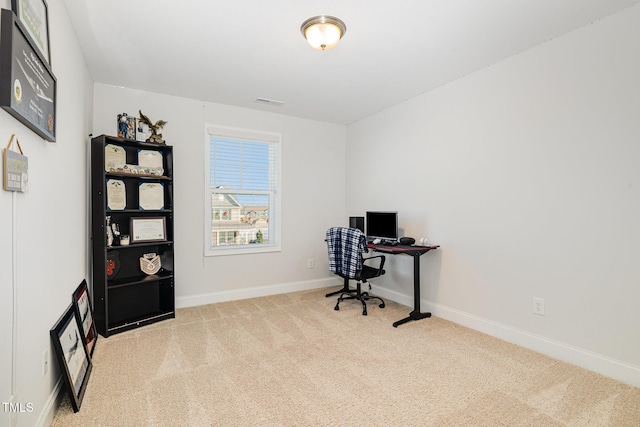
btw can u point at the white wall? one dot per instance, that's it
(313, 194)
(527, 174)
(50, 226)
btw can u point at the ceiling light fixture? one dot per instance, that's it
(323, 32)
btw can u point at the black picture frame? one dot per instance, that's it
(27, 85)
(81, 299)
(34, 17)
(71, 352)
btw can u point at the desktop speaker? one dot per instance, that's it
(356, 222)
(407, 240)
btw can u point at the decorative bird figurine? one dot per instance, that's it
(155, 136)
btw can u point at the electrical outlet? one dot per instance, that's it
(538, 306)
(311, 263)
(45, 362)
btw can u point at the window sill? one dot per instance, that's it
(242, 249)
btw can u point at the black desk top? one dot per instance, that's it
(402, 249)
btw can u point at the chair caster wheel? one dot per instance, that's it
(364, 313)
(336, 308)
(381, 305)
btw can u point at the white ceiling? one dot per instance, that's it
(235, 51)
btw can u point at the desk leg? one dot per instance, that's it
(415, 314)
(345, 288)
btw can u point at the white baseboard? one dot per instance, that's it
(51, 405)
(591, 361)
(210, 298)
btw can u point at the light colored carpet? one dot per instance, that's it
(291, 360)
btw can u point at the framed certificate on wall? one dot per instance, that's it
(27, 85)
(34, 17)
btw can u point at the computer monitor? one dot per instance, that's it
(382, 225)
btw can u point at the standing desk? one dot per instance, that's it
(416, 252)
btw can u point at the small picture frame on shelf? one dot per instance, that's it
(126, 126)
(72, 355)
(84, 310)
(148, 229)
(142, 131)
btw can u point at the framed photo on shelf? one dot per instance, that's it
(72, 355)
(34, 17)
(126, 126)
(151, 229)
(84, 311)
(27, 85)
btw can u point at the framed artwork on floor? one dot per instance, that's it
(72, 355)
(84, 310)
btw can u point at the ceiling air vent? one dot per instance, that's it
(272, 102)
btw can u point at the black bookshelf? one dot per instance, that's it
(125, 297)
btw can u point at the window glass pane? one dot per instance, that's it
(245, 223)
(243, 192)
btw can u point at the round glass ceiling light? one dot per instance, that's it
(323, 32)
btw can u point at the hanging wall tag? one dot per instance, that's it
(16, 175)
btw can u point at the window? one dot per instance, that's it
(242, 196)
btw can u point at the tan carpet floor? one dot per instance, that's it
(291, 360)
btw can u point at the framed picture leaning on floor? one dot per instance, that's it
(72, 355)
(84, 311)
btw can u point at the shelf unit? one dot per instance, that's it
(124, 297)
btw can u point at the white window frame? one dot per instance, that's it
(274, 217)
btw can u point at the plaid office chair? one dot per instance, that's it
(346, 246)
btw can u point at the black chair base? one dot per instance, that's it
(345, 289)
(363, 297)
